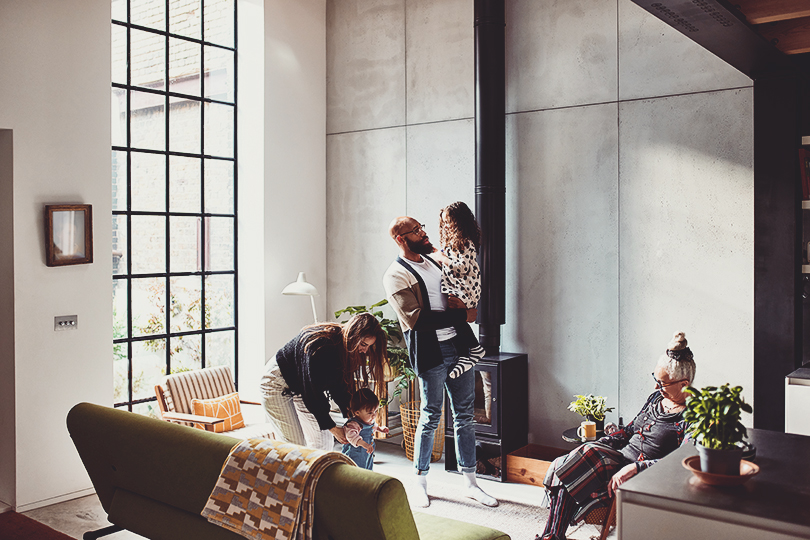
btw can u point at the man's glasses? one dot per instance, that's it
(419, 228)
(660, 384)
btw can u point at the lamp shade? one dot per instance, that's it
(300, 287)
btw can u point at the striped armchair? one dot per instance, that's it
(176, 392)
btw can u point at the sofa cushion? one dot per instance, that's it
(225, 407)
(440, 528)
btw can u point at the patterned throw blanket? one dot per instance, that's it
(266, 489)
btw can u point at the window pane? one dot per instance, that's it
(119, 244)
(147, 57)
(150, 409)
(184, 237)
(147, 120)
(220, 349)
(119, 54)
(219, 74)
(148, 311)
(219, 186)
(186, 353)
(219, 301)
(148, 367)
(219, 21)
(118, 117)
(120, 373)
(148, 182)
(119, 180)
(184, 184)
(220, 240)
(148, 244)
(184, 126)
(151, 13)
(185, 66)
(218, 130)
(186, 298)
(120, 313)
(184, 18)
(119, 10)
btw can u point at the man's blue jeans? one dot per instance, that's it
(461, 393)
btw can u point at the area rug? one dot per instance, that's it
(516, 518)
(519, 519)
(14, 526)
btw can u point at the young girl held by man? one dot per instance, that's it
(459, 238)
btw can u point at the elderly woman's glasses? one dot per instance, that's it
(661, 384)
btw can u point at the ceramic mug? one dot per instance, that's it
(587, 431)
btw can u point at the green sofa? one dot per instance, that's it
(153, 478)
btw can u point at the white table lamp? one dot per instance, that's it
(301, 287)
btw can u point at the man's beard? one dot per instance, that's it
(418, 247)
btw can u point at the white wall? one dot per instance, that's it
(295, 164)
(54, 101)
(629, 184)
(54, 97)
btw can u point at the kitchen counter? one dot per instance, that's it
(667, 501)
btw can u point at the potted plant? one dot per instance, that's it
(591, 407)
(714, 417)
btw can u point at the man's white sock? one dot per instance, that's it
(476, 493)
(420, 496)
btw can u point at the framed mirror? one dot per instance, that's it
(68, 234)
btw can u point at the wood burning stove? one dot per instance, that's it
(501, 414)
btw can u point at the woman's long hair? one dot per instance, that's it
(463, 228)
(358, 327)
(349, 335)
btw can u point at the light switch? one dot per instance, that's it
(66, 322)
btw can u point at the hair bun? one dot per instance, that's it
(678, 342)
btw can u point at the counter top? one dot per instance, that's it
(801, 373)
(779, 494)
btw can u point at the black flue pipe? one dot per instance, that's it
(490, 167)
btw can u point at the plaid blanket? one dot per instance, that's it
(266, 489)
(585, 473)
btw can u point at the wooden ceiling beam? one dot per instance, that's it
(765, 11)
(790, 37)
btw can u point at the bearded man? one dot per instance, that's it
(430, 325)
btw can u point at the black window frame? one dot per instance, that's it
(203, 216)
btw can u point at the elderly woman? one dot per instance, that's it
(588, 476)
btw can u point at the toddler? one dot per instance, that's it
(360, 429)
(460, 237)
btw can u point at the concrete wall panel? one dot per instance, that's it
(657, 60)
(687, 237)
(365, 75)
(366, 191)
(440, 86)
(562, 259)
(560, 54)
(441, 170)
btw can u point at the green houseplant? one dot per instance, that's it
(397, 354)
(591, 407)
(713, 415)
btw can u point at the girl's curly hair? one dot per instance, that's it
(463, 227)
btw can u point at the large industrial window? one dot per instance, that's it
(173, 192)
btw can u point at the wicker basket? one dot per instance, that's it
(410, 411)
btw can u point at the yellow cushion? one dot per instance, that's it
(225, 407)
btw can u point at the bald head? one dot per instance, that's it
(399, 225)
